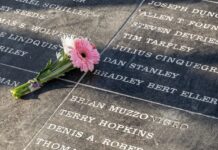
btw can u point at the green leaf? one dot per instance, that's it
(46, 69)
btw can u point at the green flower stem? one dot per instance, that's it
(56, 73)
(21, 90)
(53, 71)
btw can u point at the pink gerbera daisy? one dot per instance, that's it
(84, 54)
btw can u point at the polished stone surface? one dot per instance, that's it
(133, 100)
(30, 35)
(21, 120)
(33, 30)
(162, 55)
(113, 119)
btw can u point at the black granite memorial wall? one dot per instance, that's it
(154, 89)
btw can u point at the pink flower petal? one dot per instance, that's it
(84, 55)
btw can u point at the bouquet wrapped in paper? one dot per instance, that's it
(76, 53)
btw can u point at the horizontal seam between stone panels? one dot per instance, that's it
(33, 72)
(210, 1)
(18, 68)
(149, 101)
